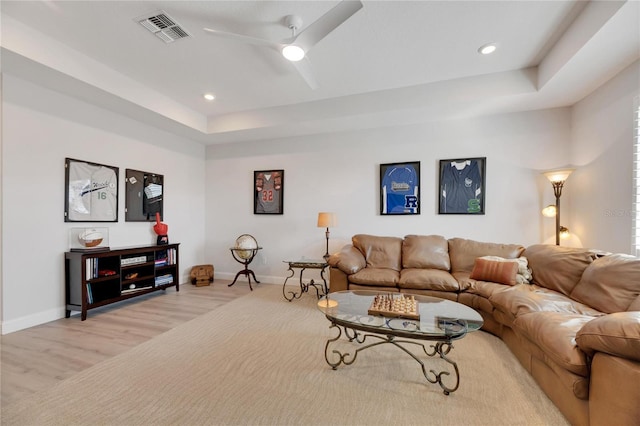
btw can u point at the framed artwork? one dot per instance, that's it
(91, 192)
(144, 196)
(268, 191)
(400, 188)
(461, 189)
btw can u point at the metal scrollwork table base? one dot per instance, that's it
(321, 288)
(441, 348)
(440, 322)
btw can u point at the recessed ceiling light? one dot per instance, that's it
(293, 53)
(487, 48)
(209, 96)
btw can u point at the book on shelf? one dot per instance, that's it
(133, 290)
(164, 279)
(127, 261)
(89, 294)
(166, 257)
(91, 268)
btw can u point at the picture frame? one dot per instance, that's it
(461, 186)
(400, 188)
(144, 196)
(268, 192)
(91, 192)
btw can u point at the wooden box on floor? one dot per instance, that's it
(201, 275)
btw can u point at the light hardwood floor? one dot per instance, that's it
(39, 357)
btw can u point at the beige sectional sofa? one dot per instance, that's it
(575, 326)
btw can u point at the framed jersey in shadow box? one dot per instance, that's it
(268, 191)
(91, 192)
(400, 188)
(144, 196)
(462, 189)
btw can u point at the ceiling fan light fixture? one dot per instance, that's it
(293, 53)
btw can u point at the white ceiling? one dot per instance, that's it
(392, 62)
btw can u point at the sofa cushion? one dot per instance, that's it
(554, 333)
(425, 251)
(349, 260)
(610, 283)
(463, 253)
(479, 303)
(557, 268)
(380, 252)
(617, 334)
(482, 288)
(524, 299)
(427, 279)
(381, 277)
(498, 270)
(635, 305)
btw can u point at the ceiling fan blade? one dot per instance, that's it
(304, 69)
(244, 38)
(328, 22)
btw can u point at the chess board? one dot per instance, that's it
(400, 306)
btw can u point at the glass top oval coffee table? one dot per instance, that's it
(364, 315)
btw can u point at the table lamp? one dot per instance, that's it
(327, 220)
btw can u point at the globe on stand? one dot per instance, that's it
(247, 244)
(244, 251)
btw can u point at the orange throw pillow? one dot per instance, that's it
(497, 271)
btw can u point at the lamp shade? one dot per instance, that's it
(558, 175)
(550, 211)
(327, 220)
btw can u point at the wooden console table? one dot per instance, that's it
(96, 277)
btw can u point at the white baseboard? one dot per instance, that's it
(32, 320)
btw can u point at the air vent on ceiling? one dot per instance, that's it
(163, 26)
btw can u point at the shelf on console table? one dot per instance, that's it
(99, 277)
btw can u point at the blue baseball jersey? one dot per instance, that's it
(400, 190)
(461, 187)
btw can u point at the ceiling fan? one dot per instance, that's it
(295, 48)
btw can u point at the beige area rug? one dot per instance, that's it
(260, 360)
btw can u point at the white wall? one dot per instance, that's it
(340, 173)
(40, 129)
(209, 203)
(602, 145)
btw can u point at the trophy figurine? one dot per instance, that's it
(161, 229)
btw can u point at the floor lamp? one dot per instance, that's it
(327, 220)
(557, 179)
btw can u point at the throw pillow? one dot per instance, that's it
(502, 271)
(524, 273)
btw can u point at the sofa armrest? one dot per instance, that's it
(614, 390)
(338, 280)
(617, 334)
(349, 260)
